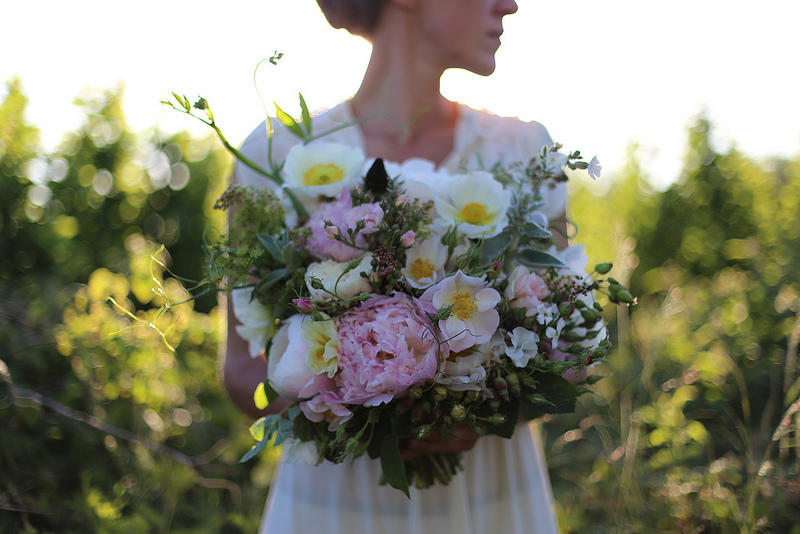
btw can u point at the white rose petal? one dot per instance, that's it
(258, 322)
(346, 286)
(287, 365)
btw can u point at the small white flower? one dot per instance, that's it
(594, 168)
(524, 346)
(258, 321)
(300, 452)
(477, 203)
(346, 285)
(322, 168)
(553, 161)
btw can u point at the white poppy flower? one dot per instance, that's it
(477, 202)
(425, 263)
(257, 321)
(322, 168)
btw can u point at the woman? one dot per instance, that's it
(504, 486)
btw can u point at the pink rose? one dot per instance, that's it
(526, 289)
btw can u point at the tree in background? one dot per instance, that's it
(695, 429)
(104, 428)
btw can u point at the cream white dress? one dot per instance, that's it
(504, 487)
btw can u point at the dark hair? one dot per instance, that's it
(359, 17)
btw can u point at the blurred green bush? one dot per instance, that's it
(103, 428)
(695, 428)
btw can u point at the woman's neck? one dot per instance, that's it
(399, 101)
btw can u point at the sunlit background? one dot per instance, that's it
(103, 428)
(599, 75)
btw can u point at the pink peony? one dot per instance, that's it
(343, 216)
(386, 345)
(526, 290)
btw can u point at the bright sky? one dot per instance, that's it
(599, 74)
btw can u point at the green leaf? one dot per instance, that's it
(553, 394)
(284, 432)
(287, 254)
(258, 447)
(272, 395)
(289, 122)
(305, 114)
(537, 259)
(257, 429)
(494, 246)
(534, 231)
(270, 279)
(272, 245)
(260, 398)
(392, 464)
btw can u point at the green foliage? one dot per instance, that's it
(693, 430)
(103, 428)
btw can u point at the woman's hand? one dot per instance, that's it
(463, 439)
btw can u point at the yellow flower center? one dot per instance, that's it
(464, 305)
(323, 173)
(422, 268)
(475, 213)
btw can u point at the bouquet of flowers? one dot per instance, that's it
(398, 302)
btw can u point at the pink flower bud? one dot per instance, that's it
(304, 305)
(408, 238)
(400, 200)
(332, 231)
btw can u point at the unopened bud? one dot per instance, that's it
(422, 432)
(304, 305)
(408, 238)
(400, 200)
(458, 412)
(415, 393)
(624, 295)
(513, 384)
(439, 392)
(472, 396)
(589, 315)
(496, 419)
(332, 231)
(603, 268)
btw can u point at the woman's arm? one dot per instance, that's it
(242, 374)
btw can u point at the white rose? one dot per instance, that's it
(346, 285)
(258, 322)
(288, 369)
